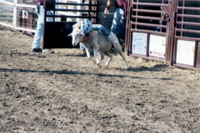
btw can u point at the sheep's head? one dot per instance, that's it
(76, 34)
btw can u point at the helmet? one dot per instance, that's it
(86, 26)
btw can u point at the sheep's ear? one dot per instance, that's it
(76, 25)
(70, 34)
(82, 34)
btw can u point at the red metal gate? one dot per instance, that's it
(187, 34)
(150, 29)
(165, 30)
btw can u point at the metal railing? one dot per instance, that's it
(18, 14)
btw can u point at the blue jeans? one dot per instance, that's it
(104, 30)
(98, 27)
(40, 28)
(117, 27)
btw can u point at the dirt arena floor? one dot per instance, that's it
(65, 93)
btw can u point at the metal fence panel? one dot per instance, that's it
(6, 12)
(187, 34)
(18, 14)
(26, 18)
(148, 24)
(174, 27)
(63, 16)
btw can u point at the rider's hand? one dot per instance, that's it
(122, 19)
(106, 12)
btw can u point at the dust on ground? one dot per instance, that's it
(65, 92)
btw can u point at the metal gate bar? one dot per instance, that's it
(146, 14)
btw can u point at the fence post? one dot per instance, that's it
(15, 14)
(171, 32)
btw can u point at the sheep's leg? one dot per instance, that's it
(96, 55)
(119, 51)
(89, 56)
(100, 55)
(118, 47)
(88, 53)
(109, 58)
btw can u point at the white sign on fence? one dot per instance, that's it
(185, 52)
(157, 46)
(139, 43)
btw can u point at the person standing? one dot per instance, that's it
(40, 26)
(119, 19)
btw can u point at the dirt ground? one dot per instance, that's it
(66, 93)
